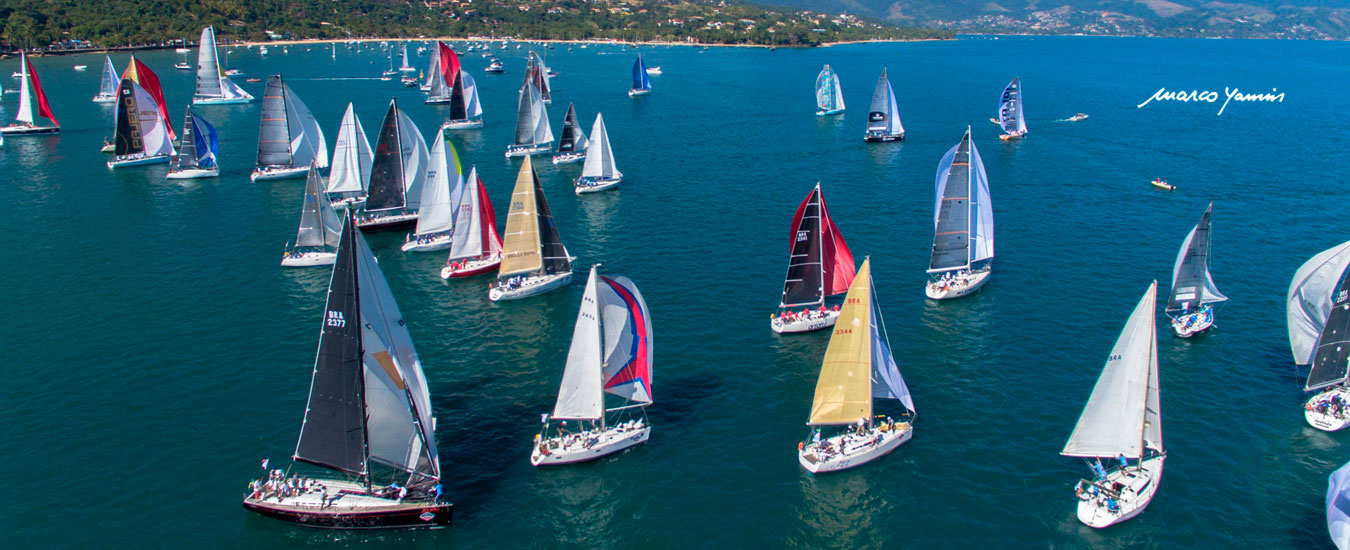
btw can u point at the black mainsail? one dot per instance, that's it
(1331, 362)
(458, 103)
(951, 239)
(333, 434)
(128, 121)
(187, 146)
(805, 278)
(524, 116)
(568, 143)
(551, 247)
(386, 191)
(274, 134)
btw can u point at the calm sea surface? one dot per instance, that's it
(155, 352)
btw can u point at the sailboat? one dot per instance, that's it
(30, 91)
(573, 143)
(599, 172)
(536, 73)
(475, 247)
(883, 120)
(846, 432)
(368, 420)
(444, 72)
(440, 199)
(1338, 507)
(405, 67)
(289, 138)
(963, 225)
(1318, 311)
(389, 74)
(350, 176)
(456, 87)
(819, 265)
(213, 87)
(141, 135)
(642, 85)
(196, 157)
(534, 259)
(397, 174)
(1120, 431)
(107, 85)
(829, 96)
(533, 134)
(317, 240)
(1010, 112)
(611, 353)
(434, 72)
(1191, 305)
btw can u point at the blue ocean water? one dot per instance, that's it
(156, 352)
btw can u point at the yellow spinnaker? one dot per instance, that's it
(844, 390)
(521, 242)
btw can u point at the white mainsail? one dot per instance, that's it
(1122, 416)
(1309, 300)
(25, 92)
(319, 223)
(307, 142)
(441, 194)
(352, 157)
(542, 132)
(211, 80)
(415, 159)
(154, 132)
(1010, 108)
(472, 107)
(107, 86)
(467, 240)
(599, 155)
(581, 396)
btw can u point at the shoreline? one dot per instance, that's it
(601, 42)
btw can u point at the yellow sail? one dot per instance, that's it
(844, 390)
(521, 242)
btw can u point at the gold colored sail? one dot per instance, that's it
(844, 390)
(521, 246)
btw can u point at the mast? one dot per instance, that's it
(187, 145)
(274, 138)
(951, 215)
(208, 67)
(386, 191)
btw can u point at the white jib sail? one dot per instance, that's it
(543, 133)
(25, 92)
(352, 157)
(437, 210)
(983, 214)
(580, 396)
(154, 132)
(472, 107)
(415, 159)
(599, 155)
(307, 142)
(467, 240)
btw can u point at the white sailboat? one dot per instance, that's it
(573, 142)
(1010, 112)
(30, 92)
(883, 119)
(829, 95)
(475, 247)
(352, 159)
(611, 353)
(533, 134)
(107, 84)
(857, 370)
(397, 175)
(1120, 430)
(317, 240)
(1191, 305)
(405, 67)
(141, 135)
(440, 199)
(1318, 311)
(820, 264)
(213, 87)
(289, 138)
(599, 172)
(963, 225)
(534, 259)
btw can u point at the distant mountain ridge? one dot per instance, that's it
(1309, 19)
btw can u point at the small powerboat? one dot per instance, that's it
(1161, 184)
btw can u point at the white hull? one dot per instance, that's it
(528, 150)
(587, 445)
(857, 450)
(635, 93)
(831, 112)
(1190, 325)
(1012, 135)
(156, 159)
(22, 129)
(960, 286)
(390, 221)
(1319, 412)
(193, 173)
(221, 100)
(1137, 488)
(531, 287)
(462, 124)
(596, 186)
(568, 158)
(279, 173)
(440, 242)
(105, 98)
(309, 259)
(814, 321)
(349, 202)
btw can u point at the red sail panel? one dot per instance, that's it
(491, 241)
(148, 80)
(449, 64)
(44, 109)
(836, 257)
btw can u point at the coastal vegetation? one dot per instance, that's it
(113, 23)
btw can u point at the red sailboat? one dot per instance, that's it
(475, 247)
(147, 79)
(30, 92)
(819, 265)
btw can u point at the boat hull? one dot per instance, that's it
(221, 100)
(804, 324)
(883, 138)
(279, 174)
(476, 266)
(635, 93)
(568, 158)
(857, 453)
(462, 125)
(1321, 415)
(527, 150)
(105, 98)
(156, 159)
(957, 290)
(531, 287)
(193, 173)
(29, 130)
(1013, 135)
(1190, 325)
(442, 242)
(553, 451)
(1138, 488)
(596, 185)
(1163, 185)
(393, 515)
(309, 259)
(831, 112)
(387, 223)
